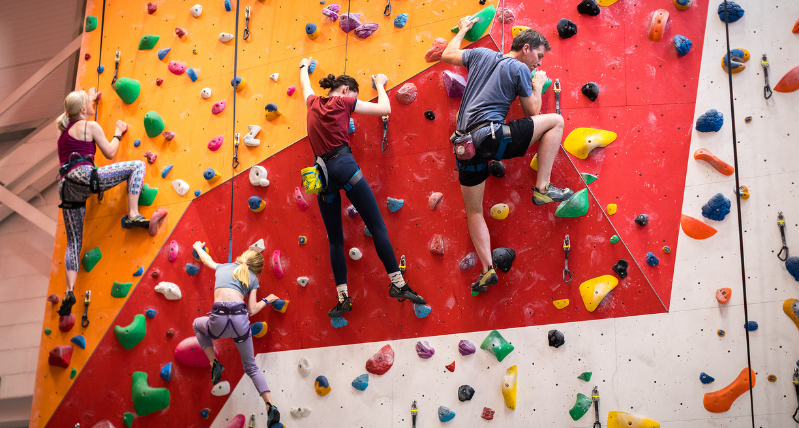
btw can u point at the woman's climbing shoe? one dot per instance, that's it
(66, 304)
(552, 194)
(341, 308)
(138, 221)
(405, 293)
(272, 416)
(485, 280)
(216, 372)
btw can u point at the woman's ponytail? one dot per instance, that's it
(62, 122)
(73, 103)
(251, 261)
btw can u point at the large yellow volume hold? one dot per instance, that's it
(581, 141)
(509, 387)
(595, 289)
(627, 420)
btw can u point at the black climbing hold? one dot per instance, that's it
(496, 168)
(503, 258)
(465, 393)
(621, 268)
(566, 28)
(588, 7)
(591, 90)
(642, 220)
(556, 338)
(429, 114)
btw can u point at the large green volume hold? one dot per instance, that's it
(130, 335)
(148, 42)
(90, 258)
(128, 89)
(576, 206)
(484, 18)
(91, 24)
(153, 124)
(147, 399)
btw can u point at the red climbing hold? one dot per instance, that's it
(66, 323)
(169, 135)
(170, 332)
(451, 367)
(695, 228)
(488, 414)
(301, 202)
(155, 274)
(795, 27)
(789, 82)
(53, 298)
(435, 52)
(437, 246)
(407, 93)
(189, 353)
(158, 218)
(87, 56)
(180, 32)
(151, 157)
(434, 200)
(723, 295)
(60, 356)
(159, 81)
(381, 361)
(151, 8)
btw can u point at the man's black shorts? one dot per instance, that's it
(521, 131)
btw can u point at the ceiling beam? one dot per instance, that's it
(28, 211)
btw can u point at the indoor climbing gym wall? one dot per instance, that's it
(662, 293)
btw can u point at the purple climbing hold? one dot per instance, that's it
(455, 84)
(710, 121)
(352, 212)
(424, 350)
(717, 207)
(366, 30)
(349, 22)
(466, 347)
(468, 262)
(331, 11)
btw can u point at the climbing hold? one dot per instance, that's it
(301, 202)
(751, 326)
(581, 141)
(153, 124)
(312, 31)
(137, 143)
(189, 353)
(710, 121)
(196, 10)
(468, 262)
(302, 281)
(162, 53)
(566, 28)
(588, 7)
(120, 289)
(151, 157)
(225, 37)
(180, 186)
(729, 11)
(351, 128)
(500, 211)
(560, 304)
(191, 269)
(421, 311)
(148, 42)
(87, 56)
(256, 204)
(361, 382)
(611, 209)
(789, 82)
(394, 205)
(130, 335)
(581, 406)
(276, 266)
(586, 376)
(720, 401)
(595, 289)
(192, 74)
(322, 386)
(658, 26)
(280, 305)
(614, 239)
(509, 388)
(128, 89)
(588, 178)
(695, 228)
(349, 22)
(716, 208)
(173, 250)
(792, 265)
(79, 340)
(505, 15)
(465, 392)
(272, 111)
(258, 329)
(651, 259)
(91, 24)
(166, 372)
(484, 19)
(436, 51)
(150, 313)
(576, 206)
(219, 107)
(170, 332)
(683, 4)
(445, 414)
(627, 420)
(518, 29)
(205, 93)
(365, 30)
(666, 249)
(331, 11)
(90, 259)
(715, 162)
(771, 378)
(72, 374)
(258, 176)
(791, 308)
(176, 68)
(437, 244)
(168, 135)
(429, 115)
(739, 57)
(196, 255)
(424, 350)
(466, 347)
(303, 240)
(487, 414)
(590, 90)
(401, 20)
(221, 389)
(338, 322)
(534, 162)
(297, 412)
(455, 84)
(216, 143)
(355, 253)
(304, 366)
(250, 141)
(100, 69)
(211, 176)
(497, 345)
(228, 6)
(165, 172)
(706, 378)
(146, 399)
(556, 338)
(450, 367)
(434, 200)
(180, 32)
(681, 43)
(60, 356)
(381, 362)
(721, 333)
(66, 323)
(53, 298)
(170, 290)
(621, 268)
(502, 258)
(748, 119)
(407, 93)
(795, 29)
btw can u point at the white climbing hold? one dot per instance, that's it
(300, 412)
(304, 366)
(249, 139)
(258, 176)
(274, 76)
(225, 37)
(355, 253)
(303, 281)
(205, 93)
(170, 290)
(196, 10)
(221, 389)
(180, 186)
(258, 246)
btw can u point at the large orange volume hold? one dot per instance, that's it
(659, 20)
(720, 165)
(721, 400)
(695, 228)
(789, 82)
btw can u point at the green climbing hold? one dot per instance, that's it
(484, 18)
(147, 195)
(497, 345)
(148, 42)
(581, 407)
(120, 289)
(153, 124)
(547, 84)
(146, 399)
(127, 419)
(90, 258)
(128, 89)
(130, 336)
(588, 178)
(614, 239)
(576, 206)
(91, 24)
(47, 331)
(586, 376)
(73, 373)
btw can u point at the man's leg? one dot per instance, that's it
(478, 230)
(549, 131)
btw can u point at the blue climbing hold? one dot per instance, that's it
(751, 326)
(236, 81)
(792, 264)
(204, 413)
(731, 13)
(312, 66)
(139, 272)
(165, 171)
(166, 374)
(366, 231)
(352, 126)
(192, 74)
(682, 44)
(151, 313)
(361, 382)
(710, 121)
(227, 6)
(421, 310)
(706, 378)
(322, 381)
(717, 207)
(197, 192)
(137, 143)
(162, 53)
(191, 269)
(256, 204)
(256, 328)
(338, 322)
(79, 340)
(394, 205)
(100, 69)
(310, 28)
(445, 414)
(401, 20)
(278, 305)
(652, 259)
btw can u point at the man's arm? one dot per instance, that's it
(532, 105)
(453, 54)
(305, 80)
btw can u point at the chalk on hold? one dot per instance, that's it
(566, 28)
(153, 124)
(79, 341)
(146, 399)
(91, 24)
(658, 25)
(682, 44)
(695, 228)
(468, 262)
(312, 31)
(487, 414)
(381, 362)
(437, 244)
(717, 207)
(91, 258)
(505, 15)
(322, 386)
(401, 20)
(435, 53)
(594, 290)
(627, 420)
(455, 84)
(715, 162)
(590, 90)
(556, 338)
(249, 138)
(735, 61)
(509, 387)
(276, 266)
(60, 356)
(424, 350)
(581, 406)
(500, 211)
(65, 323)
(128, 89)
(497, 345)
(466, 347)
(729, 11)
(256, 204)
(683, 4)
(170, 290)
(588, 7)
(225, 37)
(221, 389)
(258, 176)
(502, 258)
(710, 121)
(791, 309)
(365, 30)
(211, 176)
(331, 11)
(720, 401)
(789, 82)
(560, 304)
(576, 206)
(586, 376)
(349, 22)
(258, 329)
(355, 253)
(484, 19)
(272, 111)
(407, 93)
(651, 259)
(394, 205)
(148, 42)
(420, 310)
(621, 268)
(219, 107)
(723, 295)
(445, 414)
(581, 141)
(120, 289)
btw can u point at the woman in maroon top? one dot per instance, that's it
(328, 124)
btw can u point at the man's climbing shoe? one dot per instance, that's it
(66, 304)
(341, 308)
(405, 293)
(216, 372)
(551, 194)
(485, 280)
(272, 416)
(138, 221)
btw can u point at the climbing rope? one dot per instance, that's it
(595, 399)
(86, 300)
(567, 274)
(116, 68)
(346, 43)
(387, 10)
(784, 249)
(767, 89)
(384, 145)
(246, 34)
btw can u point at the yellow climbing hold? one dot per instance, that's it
(605, 3)
(611, 209)
(560, 304)
(500, 211)
(581, 141)
(626, 420)
(509, 387)
(518, 29)
(595, 289)
(791, 308)
(534, 162)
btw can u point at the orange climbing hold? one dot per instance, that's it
(723, 295)
(795, 27)
(791, 308)
(721, 400)
(658, 27)
(695, 228)
(715, 162)
(789, 82)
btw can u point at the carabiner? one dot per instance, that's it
(595, 399)
(384, 144)
(796, 386)
(567, 274)
(781, 224)
(236, 137)
(116, 68)
(387, 10)
(767, 89)
(402, 265)
(86, 300)
(246, 34)
(557, 96)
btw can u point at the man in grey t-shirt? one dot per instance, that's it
(495, 80)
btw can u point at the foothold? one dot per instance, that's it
(297, 412)
(394, 205)
(137, 143)
(355, 253)
(219, 107)
(322, 386)
(468, 262)
(173, 250)
(588, 7)
(170, 290)
(100, 69)
(331, 11)
(128, 89)
(280, 305)
(791, 309)
(500, 211)
(505, 15)
(488, 414)
(581, 141)
(720, 401)
(466, 347)
(191, 269)
(60, 356)
(304, 366)
(445, 414)
(658, 26)
(497, 345)
(683, 4)
(509, 387)
(576, 206)
(381, 362)
(151, 157)
(192, 74)
(79, 340)
(177, 68)
(590, 90)
(302, 281)
(165, 171)
(627, 420)
(146, 399)
(349, 21)
(502, 258)
(148, 42)
(130, 335)
(352, 212)
(560, 304)
(312, 31)
(789, 82)
(189, 353)
(274, 76)
(465, 392)
(586, 376)
(435, 53)
(228, 6)
(484, 19)
(407, 93)
(642, 219)
(205, 93)
(534, 162)
(74, 372)
(437, 245)
(151, 8)
(290, 90)
(338, 322)
(258, 176)
(795, 29)
(717, 207)
(66, 323)
(180, 32)
(421, 311)
(566, 28)
(53, 298)
(155, 274)
(651, 259)
(614, 239)
(731, 12)
(721, 333)
(401, 20)
(666, 249)
(159, 81)
(91, 258)
(120, 289)
(272, 111)
(736, 65)
(424, 350)
(365, 30)
(588, 178)
(715, 162)
(556, 338)
(611, 209)
(351, 128)
(91, 24)
(450, 367)
(792, 265)
(170, 333)
(87, 56)
(225, 37)
(682, 44)
(211, 176)
(276, 266)
(221, 389)
(303, 240)
(301, 202)
(153, 124)
(258, 329)
(695, 228)
(429, 115)
(594, 290)
(706, 378)
(196, 10)
(150, 313)
(455, 84)
(710, 121)
(166, 372)
(751, 326)
(748, 119)
(581, 406)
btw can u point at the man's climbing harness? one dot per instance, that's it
(86, 300)
(557, 96)
(595, 399)
(116, 68)
(767, 89)
(384, 146)
(567, 274)
(387, 10)
(236, 150)
(413, 413)
(784, 249)
(246, 34)
(402, 265)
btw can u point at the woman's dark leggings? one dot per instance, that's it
(340, 169)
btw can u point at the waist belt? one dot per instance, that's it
(505, 138)
(64, 169)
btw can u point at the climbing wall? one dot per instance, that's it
(646, 343)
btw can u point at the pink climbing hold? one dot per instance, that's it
(60, 356)
(180, 32)
(173, 251)
(151, 157)
(66, 323)
(331, 11)
(454, 83)
(176, 67)
(237, 422)
(434, 200)
(291, 90)
(366, 30)
(350, 21)
(216, 143)
(276, 264)
(505, 15)
(301, 202)
(151, 8)
(219, 106)
(407, 93)
(437, 246)
(189, 353)
(169, 135)
(435, 53)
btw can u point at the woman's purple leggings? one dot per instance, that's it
(216, 326)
